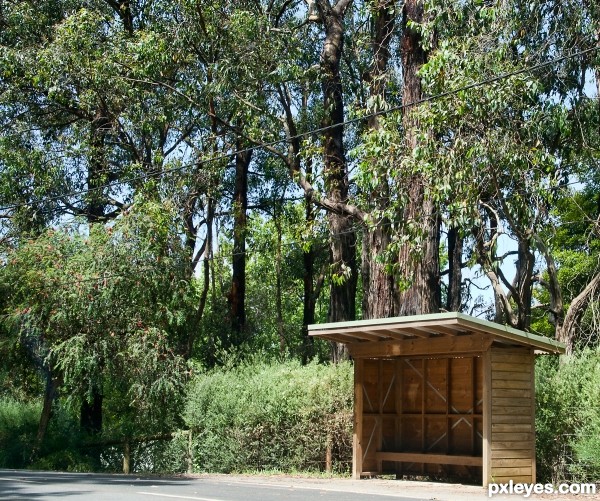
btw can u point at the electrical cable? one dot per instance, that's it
(227, 156)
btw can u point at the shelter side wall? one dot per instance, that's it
(412, 412)
(512, 455)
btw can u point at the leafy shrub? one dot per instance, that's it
(18, 428)
(568, 418)
(264, 416)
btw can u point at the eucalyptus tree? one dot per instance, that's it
(89, 127)
(503, 150)
(383, 295)
(487, 161)
(110, 309)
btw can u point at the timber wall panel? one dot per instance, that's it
(512, 400)
(423, 405)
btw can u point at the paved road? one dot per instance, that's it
(41, 486)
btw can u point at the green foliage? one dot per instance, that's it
(18, 428)
(568, 417)
(262, 416)
(18, 425)
(111, 310)
(92, 94)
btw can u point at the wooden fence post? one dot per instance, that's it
(127, 458)
(190, 454)
(328, 457)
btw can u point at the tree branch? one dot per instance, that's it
(575, 312)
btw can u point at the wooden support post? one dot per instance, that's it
(532, 389)
(379, 442)
(487, 417)
(328, 456)
(399, 395)
(357, 449)
(127, 458)
(423, 401)
(190, 453)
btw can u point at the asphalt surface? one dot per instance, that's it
(40, 486)
(20, 485)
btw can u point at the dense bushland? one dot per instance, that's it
(568, 417)
(18, 429)
(258, 416)
(283, 416)
(264, 416)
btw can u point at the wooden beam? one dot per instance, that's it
(430, 331)
(339, 338)
(414, 457)
(357, 449)
(487, 418)
(449, 330)
(413, 331)
(393, 333)
(369, 336)
(533, 470)
(475, 343)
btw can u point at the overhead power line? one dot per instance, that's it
(302, 135)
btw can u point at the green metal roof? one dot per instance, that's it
(435, 324)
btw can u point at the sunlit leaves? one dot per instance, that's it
(112, 305)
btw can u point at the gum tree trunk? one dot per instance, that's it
(238, 281)
(343, 237)
(378, 283)
(420, 267)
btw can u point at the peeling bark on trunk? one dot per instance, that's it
(237, 294)
(378, 282)
(556, 310)
(343, 238)
(455, 251)
(524, 283)
(50, 394)
(420, 267)
(567, 334)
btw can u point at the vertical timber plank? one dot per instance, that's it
(448, 393)
(357, 451)
(399, 395)
(487, 416)
(532, 359)
(380, 390)
(423, 404)
(474, 404)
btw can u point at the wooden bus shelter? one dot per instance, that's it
(442, 395)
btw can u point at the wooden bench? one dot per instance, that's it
(415, 457)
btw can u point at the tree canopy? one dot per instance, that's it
(191, 181)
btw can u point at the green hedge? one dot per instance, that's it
(18, 428)
(568, 418)
(19, 421)
(278, 416)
